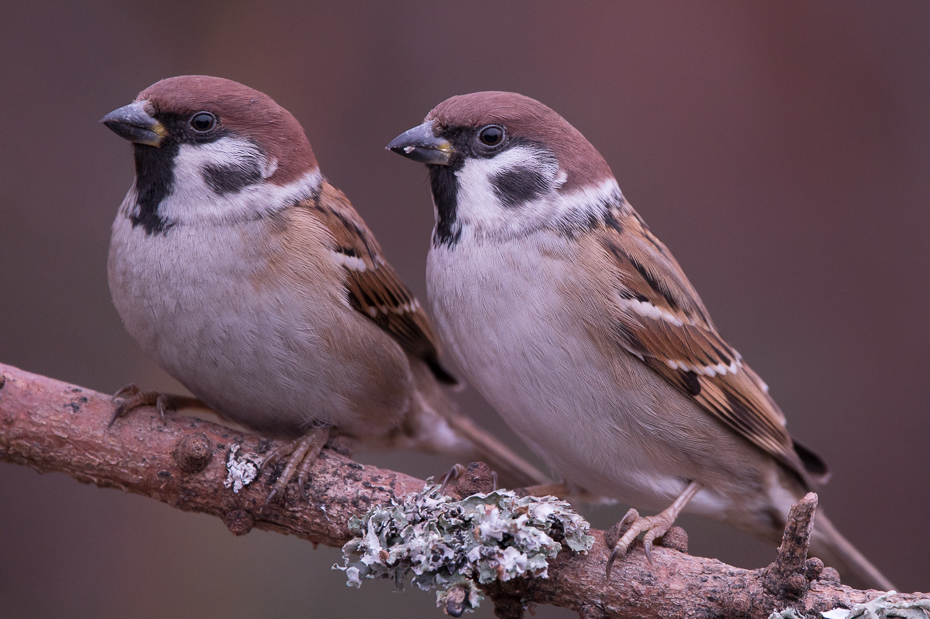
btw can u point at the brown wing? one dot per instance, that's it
(660, 319)
(372, 285)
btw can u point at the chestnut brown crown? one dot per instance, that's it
(525, 119)
(238, 110)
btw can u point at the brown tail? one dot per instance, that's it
(836, 551)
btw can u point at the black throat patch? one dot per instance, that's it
(154, 181)
(445, 187)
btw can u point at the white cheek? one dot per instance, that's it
(477, 201)
(226, 152)
(480, 211)
(193, 200)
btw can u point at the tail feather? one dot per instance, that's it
(836, 551)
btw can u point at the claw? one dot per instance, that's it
(118, 412)
(130, 397)
(128, 390)
(627, 521)
(654, 527)
(610, 560)
(119, 398)
(161, 403)
(454, 473)
(615, 533)
(270, 497)
(301, 454)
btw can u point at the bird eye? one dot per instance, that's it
(492, 135)
(203, 121)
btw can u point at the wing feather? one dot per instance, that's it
(658, 317)
(372, 286)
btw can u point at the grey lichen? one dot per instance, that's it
(241, 470)
(882, 607)
(456, 545)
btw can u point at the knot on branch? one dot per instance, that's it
(239, 521)
(193, 453)
(476, 478)
(790, 577)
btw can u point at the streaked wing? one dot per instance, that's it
(372, 285)
(659, 318)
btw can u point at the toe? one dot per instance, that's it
(302, 454)
(454, 473)
(610, 560)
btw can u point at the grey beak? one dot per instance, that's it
(132, 122)
(420, 144)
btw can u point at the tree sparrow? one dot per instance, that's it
(254, 282)
(576, 323)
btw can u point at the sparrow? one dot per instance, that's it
(252, 280)
(580, 328)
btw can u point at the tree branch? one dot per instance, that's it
(54, 426)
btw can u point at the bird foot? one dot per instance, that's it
(632, 524)
(630, 527)
(301, 454)
(131, 397)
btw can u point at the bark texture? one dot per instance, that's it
(54, 426)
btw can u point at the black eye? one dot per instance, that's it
(492, 135)
(203, 121)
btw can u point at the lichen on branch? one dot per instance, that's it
(459, 544)
(50, 425)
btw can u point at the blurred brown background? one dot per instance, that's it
(782, 150)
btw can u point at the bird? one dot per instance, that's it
(576, 323)
(253, 281)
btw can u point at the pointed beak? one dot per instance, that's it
(421, 144)
(134, 123)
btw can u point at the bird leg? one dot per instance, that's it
(653, 526)
(130, 397)
(301, 454)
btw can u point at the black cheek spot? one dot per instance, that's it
(229, 179)
(518, 186)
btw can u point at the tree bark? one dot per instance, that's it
(54, 426)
